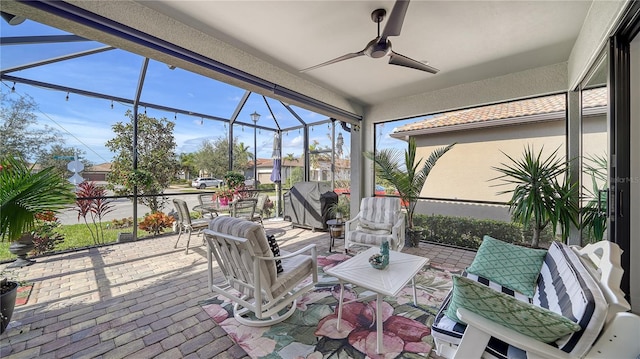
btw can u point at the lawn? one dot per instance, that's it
(77, 236)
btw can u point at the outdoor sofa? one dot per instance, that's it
(571, 307)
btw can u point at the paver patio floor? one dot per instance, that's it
(140, 299)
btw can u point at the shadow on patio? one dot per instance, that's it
(141, 299)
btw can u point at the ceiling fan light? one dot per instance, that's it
(12, 19)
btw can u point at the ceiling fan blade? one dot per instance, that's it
(338, 59)
(394, 23)
(401, 60)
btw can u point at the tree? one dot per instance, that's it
(19, 134)
(405, 172)
(542, 192)
(157, 164)
(58, 157)
(297, 175)
(241, 156)
(213, 156)
(188, 164)
(25, 193)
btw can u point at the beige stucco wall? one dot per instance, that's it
(465, 172)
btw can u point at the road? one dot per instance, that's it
(122, 207)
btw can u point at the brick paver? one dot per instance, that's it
(140, 300)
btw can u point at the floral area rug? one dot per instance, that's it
(311, 333)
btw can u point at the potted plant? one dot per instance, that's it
(234, 182)
(339, 210)
(23, 195)
(408, 175)
(8, 292)
(225, 195)
(542, 192)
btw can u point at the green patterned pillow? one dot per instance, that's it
(509, 265)
(527, 319)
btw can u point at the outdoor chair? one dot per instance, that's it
(207, 202)
(260, 294)
(380, 219)
(185, 224)
(257, 216)
(244, 208)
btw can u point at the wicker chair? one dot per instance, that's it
(185, 224)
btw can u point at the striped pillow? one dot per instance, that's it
(566, 287)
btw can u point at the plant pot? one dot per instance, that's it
(21, 248)
(224, 201)
(7, 303)
(337, 232)
(413, 237)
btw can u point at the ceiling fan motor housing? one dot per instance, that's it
(377, 49)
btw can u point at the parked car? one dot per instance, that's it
(204, 182)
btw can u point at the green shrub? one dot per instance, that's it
(267, 186)
(468, 232)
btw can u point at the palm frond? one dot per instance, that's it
(23, 193)
(406, 172)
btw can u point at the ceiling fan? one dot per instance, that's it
(381, 46)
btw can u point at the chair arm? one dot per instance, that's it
(311, 247)
(351, 224)
(480, 329)
(398, 227)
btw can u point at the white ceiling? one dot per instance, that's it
(466, 40)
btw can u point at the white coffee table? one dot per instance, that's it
(402, 268)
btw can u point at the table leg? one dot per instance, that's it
(330, 238)
(340, 304)
(378, 323)
(413, 283)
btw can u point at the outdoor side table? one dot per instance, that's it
(335, 226)
(402, 268)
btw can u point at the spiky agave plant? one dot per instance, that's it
(541, 192)
(25, 193)
(406, 172)
(594, 211)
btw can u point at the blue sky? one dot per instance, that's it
(86, 122)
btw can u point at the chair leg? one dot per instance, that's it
(179, 234)
(186, 251)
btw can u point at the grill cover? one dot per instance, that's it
(307, 204)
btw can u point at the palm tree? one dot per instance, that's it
(187, 163)
(241, 155)
(543, 193)
(403, 170)
(23, 194)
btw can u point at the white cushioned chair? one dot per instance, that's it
(259, 294)
(379, 219)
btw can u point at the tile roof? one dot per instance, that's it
(514, 109)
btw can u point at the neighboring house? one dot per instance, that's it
(482, 134)
(323, 173)
(97, 173)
